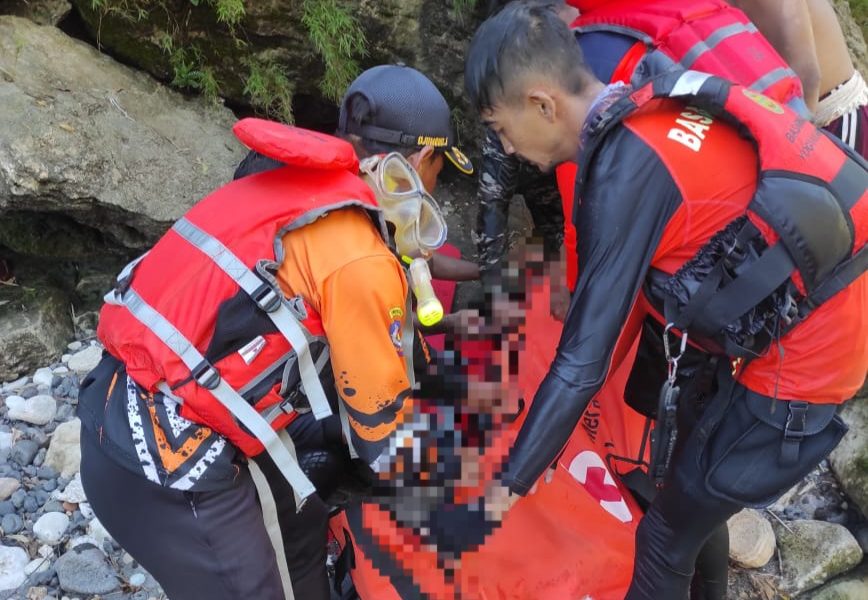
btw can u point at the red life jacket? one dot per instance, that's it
(801, 239)
(703, 35)
(201, 316)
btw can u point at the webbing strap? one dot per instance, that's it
(272, 526)
(266, 298)
(844, 274)
(748, 289)
(224, 393)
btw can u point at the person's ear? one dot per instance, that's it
(421, 158)
(544, 104)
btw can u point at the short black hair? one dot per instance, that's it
(524, 37)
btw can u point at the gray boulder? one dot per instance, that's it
(95, 156)
(84, 570)
(850, 459)
(851, 586)
(813, 552)
(34, 327)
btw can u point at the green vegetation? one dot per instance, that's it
(269, 89)
(332, 30)
(338, 38)
(190, 71)
(859, 8)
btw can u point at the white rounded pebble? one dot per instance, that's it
(61, 370)
(12, 562)
(38, 410)
(86, 360)
(137, 579)
(74, 346)
(65, 358)
(50, 527)
(37, 565)
(43, 376)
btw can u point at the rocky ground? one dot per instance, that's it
(810, 544)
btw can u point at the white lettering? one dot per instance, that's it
(682, 137)
(698, 129)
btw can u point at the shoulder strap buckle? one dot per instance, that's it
(266, 297)
(206, 375)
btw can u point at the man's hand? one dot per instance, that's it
(498, 500)
(559, 302)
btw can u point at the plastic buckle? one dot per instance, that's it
(797, 416)
(266, 298)
(791, 310)
(206, 375)
(295, 402)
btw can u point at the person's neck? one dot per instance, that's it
(580, 105)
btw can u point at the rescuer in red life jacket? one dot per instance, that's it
(738, 230)
(263, 342)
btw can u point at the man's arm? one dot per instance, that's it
(453, 269)
(787, 25)
(497, 179)
(629, 198)
(362, 311)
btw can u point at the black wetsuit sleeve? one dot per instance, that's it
(497, 180)
(624, 208)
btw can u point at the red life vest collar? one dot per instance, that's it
(296, 147)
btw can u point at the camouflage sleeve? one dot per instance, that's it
(543, 200)
(497, 180)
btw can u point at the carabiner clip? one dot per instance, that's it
(672, 361)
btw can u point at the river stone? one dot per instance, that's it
(86, 360)
(12, 563)
(852, 585)
(37, 565)
(8, 485)
(850, 459)
(64, 453)
(43, 12)
(813, 552)
(97, 531)
(11, 524)
(37, 410)
(74, 491)
(23, 452)
(43, 376)
(50, 527)
(83, 570)
(751, 539)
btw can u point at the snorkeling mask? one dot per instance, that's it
(419, 225)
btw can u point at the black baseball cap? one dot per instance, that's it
(396, 105)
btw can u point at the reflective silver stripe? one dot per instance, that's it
(689, 83)
(282, 317)
(703, 46)
(771, 78)
(227, 396)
